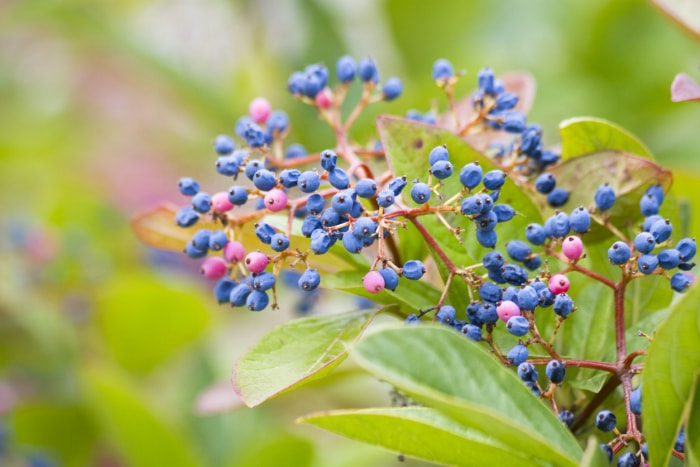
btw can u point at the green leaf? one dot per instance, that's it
(297, 352)
(156, 228)
(629, 176)
(277, 450)
(441, 368)
(593, 456)
(683, 12)
(420, 432)
(692, 426)
(407, 144)
(670, 368)
(143, 437)
(144, 321)
(586, 135)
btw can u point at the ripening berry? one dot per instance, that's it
(213, 267)
(619, 253)
(558, 283)
(518, 325)
(555, 371)
(275, 200)
(220, 202)
(605, 420)
(373, 282)
(324, 99)
(259, 109)
(604, 197)
(507, 309)
(572, 247)
(234, 252)
(188, 186)
(256, 261)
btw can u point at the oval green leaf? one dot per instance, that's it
(295, 353)
(671, 366)
(586, 135)
(420, 432)
(442, 369)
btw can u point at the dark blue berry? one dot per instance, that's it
(644, 242)
(608, 452)
(514, 122)
(242, 125)
(518, 250)
(517, 355)
(514, 274)
(412, 319)
(506, 101)
(649, 221)
(493, 260)
(535, 234)
(604, 197)
(555, 371)
(472, 205)
(636, 401)
(351, 242)
(223, 288)
(628, 459)
(321, 241)
(238, 195)
(558, 225)
(527, 372)
(494, 179)
(657, 192)
(264, 232)
(558, 197)
(680, 282)
(342, 202)
(533, 263)
(315, 203)
(605, 421)
(309, 280)
(295, 150)
(186, 217)
(518, 326)
(566, 417)
(310, 224)
(679, 445)
(486, 80)
(188, 186)
(546, 298)
(227, 165)
(504, 212)
(545, 183)
(446, 314)
(263, 281)
(486, 222)
(487, 238)
(345, 69)
(397, 185)
(472, 332)
(470, 175)
(527, 298)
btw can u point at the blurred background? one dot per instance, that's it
(112, 354)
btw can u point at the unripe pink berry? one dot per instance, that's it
(275, 200)
(507, 309)
(373, 282)
(323, 99)
(234, 252)
(213, 267)
(220, 202)
(558, 283)
(259, 109)
(572, 247)
(256, 261)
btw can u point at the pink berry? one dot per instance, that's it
(507, 309)
(256, 261)
(275, 200)
(234, 252)
(323, 99)
(213, 267)
(220, 202)
(373, 282)
(259, 109)
(558, 283)
(572, 247)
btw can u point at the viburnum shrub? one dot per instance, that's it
(529, 282)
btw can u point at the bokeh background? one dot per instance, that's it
(112, 354)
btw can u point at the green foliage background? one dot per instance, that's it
(105, 346)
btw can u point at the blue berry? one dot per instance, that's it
(342, 202)
(329, 159)
(438, 153)
(412, 319)
(264, 180)
(309, 280)
(309, 181)
(223, 288)
(254, 136)
(351, 242)
(366, 187)
(657, 192)
(604, 197)
(263, 281)
(295, 150)
(558, 224)
(442, 70)
(472, 332)
(605, 421)
(527, 372)
(628, 459)
(506, 101)
(563, 305)
(367, 70)
(227, 165)
(514, 274)
(253, 166)
(420, 193)
(661, 230)
(608, 452)
(687, 248)
(365, 227)
(200, 239)
(446, 314)
(393, 87)
(279, 242)
(518, 326)
(644, 242)
(580, 220)
(310, 224)
(397, 185)
(442, 169)
(330, 217)
(555, 371)
(470, 175)
(527, 298)
(239, 294)
(566, 417)
(194, 252)
(647, 263)
(619, 253)
(385, 198)
(201, 202)
(186, 217)
(533, 263)
(511, 294)
(487, 314)
(217, 240)
(413, 269)
(494, 179)
(504, 212)
(224, 145)
(649, 205)
(546, 298)
(558, 197)
(679, 445)
(257, 300)
(514, 122)
(295, 84)
(531, 140)
(490, 292)
(493, 260)
(391, 278)
(487, 238)
(535, 234)
(517, 354)
(669, 258)
(238, 195)
(472, 205)
(289, 177)
(518, 250)
(636, 401)
(339, 178)
(242, 125)
(188, 186)
(264, 232)
(486, 221)
(545, 183)
(321, 241)
(315, 203)
(649, 221)
(345, 69)
(486, 80)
